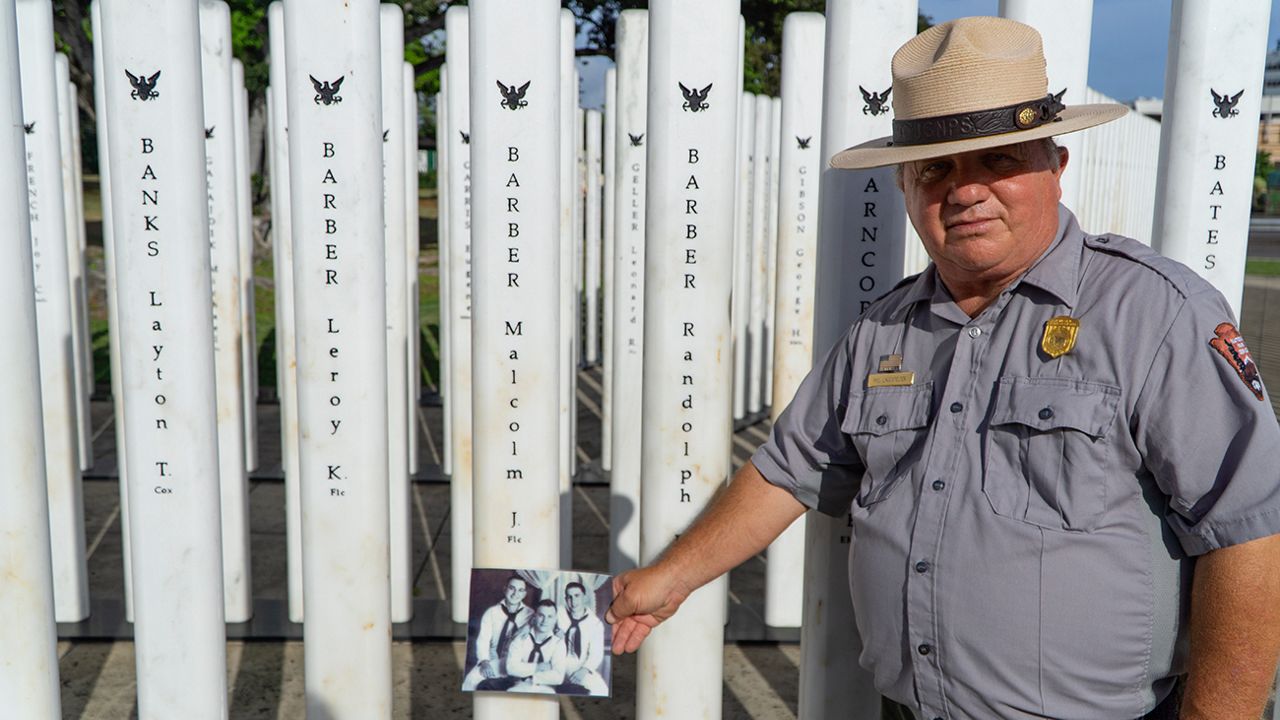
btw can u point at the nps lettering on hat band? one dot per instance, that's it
(979, 123)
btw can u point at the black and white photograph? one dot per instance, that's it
(539, 631)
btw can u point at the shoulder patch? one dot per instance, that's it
(1230, 345)
(1182, 278)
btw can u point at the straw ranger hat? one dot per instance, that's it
(969, 84)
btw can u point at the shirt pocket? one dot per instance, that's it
(888, 426)
(1047, 450)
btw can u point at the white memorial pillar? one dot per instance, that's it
(628, 287)
(609, 231)
(1065, 29)
(516, 163)
(444, 133)
(73, 185)
(460, 495)
(160, 206)
(579, 198)
(29, 668)
(228, 357)
(339, 263)
(759, 273)
(739, 401)
(413, 250)
(771, 245)
(53, 307)
(595, 136)
(113, 316)
(579, 239)
(687, 422)
(285, 344)
(1209, 138)
(397, 336)
(86, 345)
(244, 227)
(75, 263)
(861, 40)
(799, 171)
(568, 369)
(741, 302)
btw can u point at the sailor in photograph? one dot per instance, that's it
(536, 659)
(583, 634)
(499, 625)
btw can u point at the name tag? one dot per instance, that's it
(902, 378)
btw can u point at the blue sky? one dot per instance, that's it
(1129, 44)
(1126, 55)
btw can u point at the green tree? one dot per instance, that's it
(596, 20)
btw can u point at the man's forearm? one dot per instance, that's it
(741, 521)
(1235, 631)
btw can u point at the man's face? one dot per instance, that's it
(574, 597)
(986, 214)
(514, 592)
(544, 620)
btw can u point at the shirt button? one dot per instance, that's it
(882, 420)
(922, 567)
(924, 649)
(975, 332)
(1046, 413)
(938, 485)
(956, 407)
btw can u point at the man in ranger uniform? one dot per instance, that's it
(1059, 465)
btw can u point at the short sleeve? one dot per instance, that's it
(806, 453)
(1207, 432)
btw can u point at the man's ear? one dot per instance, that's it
(1063, 156)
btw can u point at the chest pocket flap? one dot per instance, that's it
(888, 426)
(1051, 403)
(877, 411)
(1048, 449)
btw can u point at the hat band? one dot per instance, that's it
(979, 123)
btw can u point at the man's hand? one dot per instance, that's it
(487, 669)
(642, 599)
(579, 676)
(739, 522)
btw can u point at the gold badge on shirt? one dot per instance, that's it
(891, 374)
(1059, 335)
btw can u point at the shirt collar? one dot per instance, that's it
(1056, 272)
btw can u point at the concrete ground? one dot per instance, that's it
(265, 680)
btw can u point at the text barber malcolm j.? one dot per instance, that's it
(1058, 462)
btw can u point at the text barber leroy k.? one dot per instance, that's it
(1054, 450)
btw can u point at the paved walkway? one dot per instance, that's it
(265, 676)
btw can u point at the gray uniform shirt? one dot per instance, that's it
(1023, 527)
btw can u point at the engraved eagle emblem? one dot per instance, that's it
(466, 137)
(327, 92)
(636, 140)
(29, 128)
(695, 100)
(803, 143)
(1226, 104)
(208, 132)
(144, 88)
(513, 97)
(875, 102)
